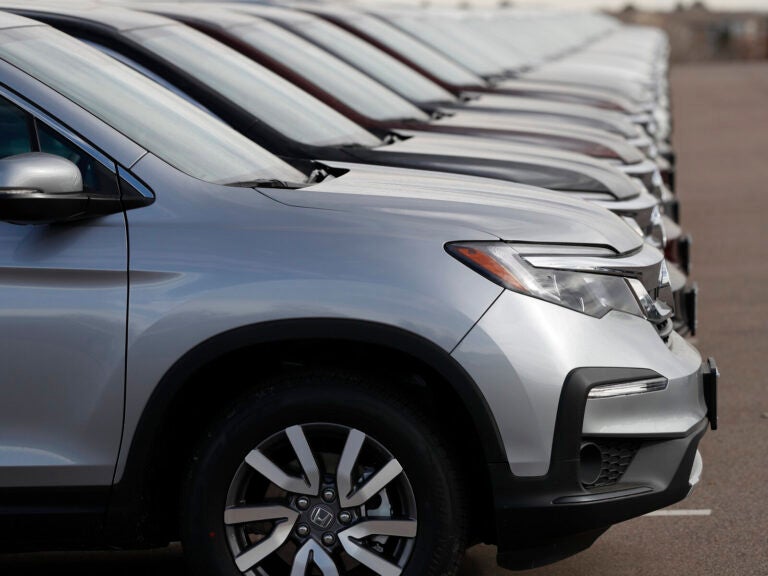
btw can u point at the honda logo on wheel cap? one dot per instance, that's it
(321, 516)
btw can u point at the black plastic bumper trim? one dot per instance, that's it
(691, 302)
(545, 519)
(684, 245)
(619, 492)
(711, 377)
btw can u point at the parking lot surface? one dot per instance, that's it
(721, 136)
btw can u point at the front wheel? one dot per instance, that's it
(323, 474)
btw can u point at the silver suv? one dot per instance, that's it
(359, 373)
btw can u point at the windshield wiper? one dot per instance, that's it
(439, 114)
(267, 183)
(317, 175)
(392, 137)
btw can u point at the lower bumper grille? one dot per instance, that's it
(616, 454)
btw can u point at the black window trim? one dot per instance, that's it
(65, 132)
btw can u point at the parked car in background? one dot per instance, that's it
(358, 96)
(456, 79)
(630, 65)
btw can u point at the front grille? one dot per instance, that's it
(665, 329)
(616, 456)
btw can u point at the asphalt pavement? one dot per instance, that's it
(721, 136)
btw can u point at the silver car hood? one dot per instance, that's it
(521, 103)
(511, 212)
(551, 126)
(534, 88)
(492, 149)
(469, 118)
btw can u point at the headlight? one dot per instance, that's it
(656, 234)
(593, 294)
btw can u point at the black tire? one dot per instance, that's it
(339, 400)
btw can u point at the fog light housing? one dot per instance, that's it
(590, 463)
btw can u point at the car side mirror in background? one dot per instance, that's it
(40, 188)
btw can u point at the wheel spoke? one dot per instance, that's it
(373, 486)
(399, 528)
(310, 485)
(349, 455)
(312, 553)
(244, 514)
(252, 556)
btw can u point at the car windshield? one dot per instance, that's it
(419, 53)
(461, 49)
(374, 62)
(350, 86)
(265, 95)
(153, 117)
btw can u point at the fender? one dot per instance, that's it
(125, 508)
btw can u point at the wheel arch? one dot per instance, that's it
(132, 518)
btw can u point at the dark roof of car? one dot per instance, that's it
(118, 18)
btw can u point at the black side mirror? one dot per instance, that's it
(40, 188)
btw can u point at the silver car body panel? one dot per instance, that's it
(522, 349)
(593, 94)
(497, 120)
(62, 320)
(481, 203)
(627, 151)
(521, 105)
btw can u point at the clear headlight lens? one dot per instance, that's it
(656, 233)
(592, 294)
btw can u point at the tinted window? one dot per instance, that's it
(15, 130)
(150, 115)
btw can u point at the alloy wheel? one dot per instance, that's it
(320, 499)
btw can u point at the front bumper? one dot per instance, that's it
(543, 520)
(530, 359)
(522, 350)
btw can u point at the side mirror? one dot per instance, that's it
(39, 188)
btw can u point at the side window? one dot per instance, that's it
(16, 131)
(19, 133)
